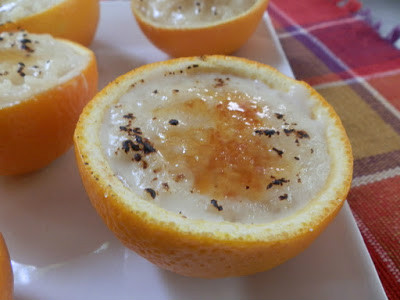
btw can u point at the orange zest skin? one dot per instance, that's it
(192, 254)
(35, 132)
(75, 20)
(201, 248)
(6, 274)
(221, 38)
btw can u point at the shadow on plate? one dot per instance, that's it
(47, 217)
(113, 61)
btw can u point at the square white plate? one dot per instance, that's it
(60, 248)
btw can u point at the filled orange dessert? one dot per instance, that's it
(213, 166)
(44, 84)
(185, 28)
(75, 20)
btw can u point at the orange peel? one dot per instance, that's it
(6, 274)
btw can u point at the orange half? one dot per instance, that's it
(38, 129)
(74, 20)
(201, 247)
(212, 35)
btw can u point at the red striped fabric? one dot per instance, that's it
(335, 49)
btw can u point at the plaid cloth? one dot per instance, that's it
(336, 50)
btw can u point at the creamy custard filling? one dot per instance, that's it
(191, 13)
(217, 147)
(11, 10)
(32, 63)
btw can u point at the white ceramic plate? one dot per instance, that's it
(60, 248)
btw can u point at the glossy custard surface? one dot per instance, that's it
(217, 147)
(191, 13)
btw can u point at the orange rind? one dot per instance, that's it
(6, 273)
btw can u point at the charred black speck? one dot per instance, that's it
(136, 130)
(173, 122)
(127, 145)
(301, 134)
(215, 204)
(283, 197)
(288, 131)
(139, 139)
(279, 116)
(24, 45)
(280, 152)
(20, 70)
(280, 182)
(129, 116)
(151, 192)
(148, 148)
(267, 132)
(24, 41)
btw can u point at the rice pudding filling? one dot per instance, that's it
(196, 13)
(33, 63)
(217, 147)
(11, 10)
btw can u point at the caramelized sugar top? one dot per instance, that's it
(217, 146)
(228, 159)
